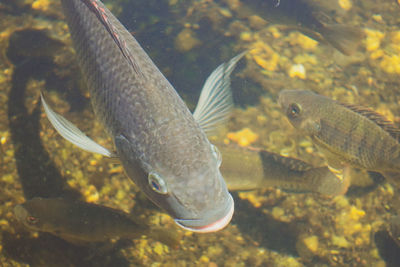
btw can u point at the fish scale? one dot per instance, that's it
(154, 133)
(124, 103)
(346, 134)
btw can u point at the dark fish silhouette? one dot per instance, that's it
(303, 16)
(81, 222)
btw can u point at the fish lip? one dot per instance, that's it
(212, 227)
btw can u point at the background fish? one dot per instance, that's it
(161, 145)
(304, 16)
(81, 222)
(346, 134)
(248, 169)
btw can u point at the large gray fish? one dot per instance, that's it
(80, 222)
(162, 146)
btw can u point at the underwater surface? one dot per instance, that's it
(285, 220)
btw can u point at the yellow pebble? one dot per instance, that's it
(204, 258)
(225, 12)
(305, 42)
(377, 18)
(356, 214)
(275, 32)
(4, 222)
(91, 194)
(158, 248)
(246, 36)
(297, 70)
(373, 40)
(42, 5)
(311, 243)
(391, 64)
(277, 212)
(345, 4)
(243, 137)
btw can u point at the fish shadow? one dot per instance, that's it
(48, 250)
(264, 229)
(37, 172)
(40, 177)
(388, 249)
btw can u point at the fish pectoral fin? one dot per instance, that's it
(71, 133)
(216, 102)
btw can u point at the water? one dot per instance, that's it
(187, 40)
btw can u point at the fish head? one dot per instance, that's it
(34, 215)
(302, 108)
(208, 206)
(192, 191)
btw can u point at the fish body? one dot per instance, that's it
(346, 134)
(249, 169)
(161, 145)
(82, 222)
(304, 16)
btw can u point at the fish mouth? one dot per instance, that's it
(194, 225)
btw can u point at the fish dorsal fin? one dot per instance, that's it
(100, 11)
(377, 118)
(216, 102)
(291, 163)
(70, 132)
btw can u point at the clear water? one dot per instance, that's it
(272, 226)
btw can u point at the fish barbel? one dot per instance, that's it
(346, 134)
(162, 146)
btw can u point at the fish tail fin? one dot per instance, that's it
(168, 237)
(344, 38)
(334, 182)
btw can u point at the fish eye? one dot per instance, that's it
(157, 183)
(32, 219)
(216, 154)
(293, 110)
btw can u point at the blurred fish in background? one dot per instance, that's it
(306, 17)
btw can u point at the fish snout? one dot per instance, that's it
(212, 221)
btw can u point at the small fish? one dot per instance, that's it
(347, 135)
(249, 169)
(303, 16)
(162, 146)
(80, 222)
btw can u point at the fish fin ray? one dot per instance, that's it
(377, 118)
(344, 38)
(215, 101)
(72, 134)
